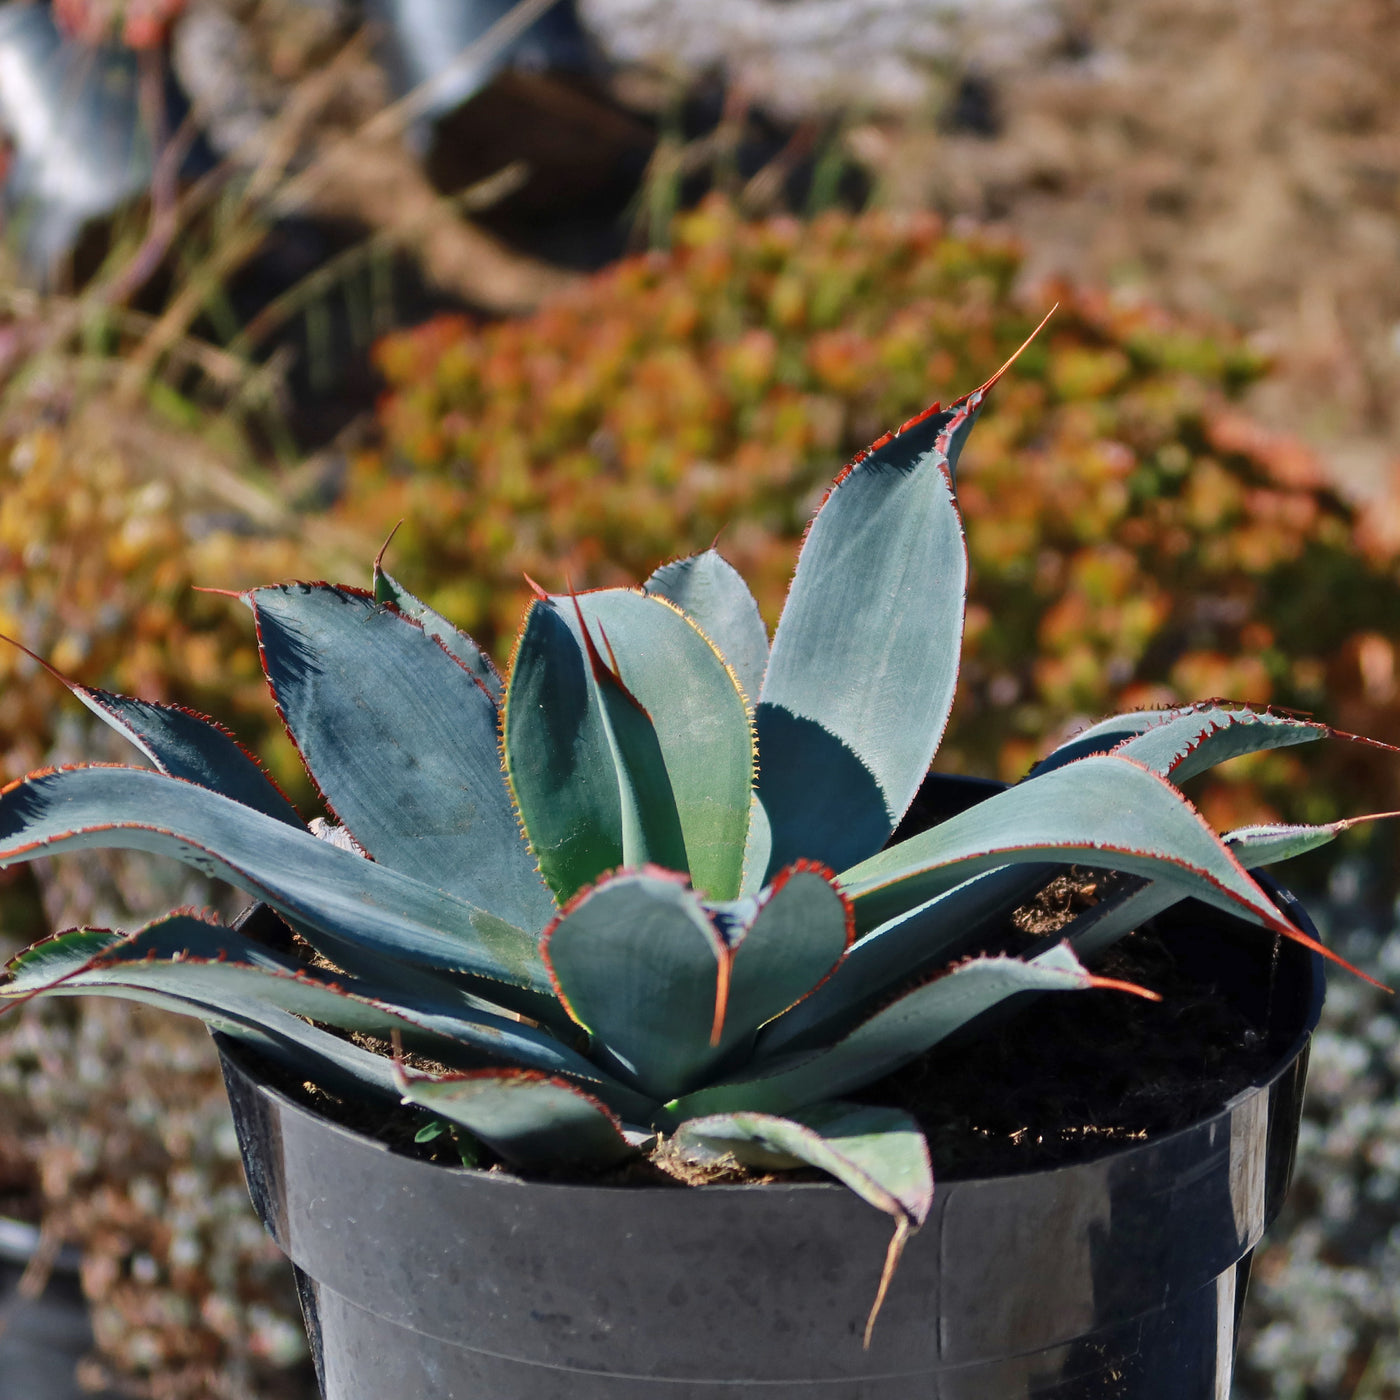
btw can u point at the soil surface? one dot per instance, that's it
(1070, 1076)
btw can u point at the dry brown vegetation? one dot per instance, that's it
(1239, 158)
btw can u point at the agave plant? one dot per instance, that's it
(648, 886)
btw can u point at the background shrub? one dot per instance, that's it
(1135, 537)
(108, 528)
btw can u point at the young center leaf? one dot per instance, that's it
(711, 592)
(651, 825)
(778, 948)
(636, 961)
(702, 724)
(558, 756)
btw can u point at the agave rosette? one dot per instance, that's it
(648, 885)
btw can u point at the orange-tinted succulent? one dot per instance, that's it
(1135, 536)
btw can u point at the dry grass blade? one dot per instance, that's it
(277, 312)
(365, 175)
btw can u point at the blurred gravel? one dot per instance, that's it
(122, 1111)
(805, 58)
(1323, 1317)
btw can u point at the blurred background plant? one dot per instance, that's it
(1321, 1318)
(627, 275)
(1135, 538)
(121, 1120)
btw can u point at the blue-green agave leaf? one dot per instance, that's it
(878, 1152)
(459, 646)
(651, 825)
(636, 961)
(816, 799)
(332, 1063)
(1105, 736)
(777, 948)
(215, 969)
(190, 746)
(1182, 742)
(531, 1120)
(402, 741)
(758, 844)
(342, 902)
(865, 659)
(57, 956)
(702, 724)
(338, 1066)
(1096, 929)
(907, 949)
(184, 744)
(864, 664)
(1273, 842)
(558, 759)
(713, 594)
(914, 1022)
(1106, 811)
(1189, 743)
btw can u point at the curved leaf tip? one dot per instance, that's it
(878, 1152)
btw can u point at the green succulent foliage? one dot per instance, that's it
(664, 845)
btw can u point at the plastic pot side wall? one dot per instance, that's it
(1118, 1277)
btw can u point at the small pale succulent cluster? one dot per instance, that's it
(648, 885)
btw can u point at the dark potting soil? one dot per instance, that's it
(1066, 1078)
(1074, 1074)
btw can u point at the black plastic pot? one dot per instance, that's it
(81, 148)
(1122, 1277)
(425, 41)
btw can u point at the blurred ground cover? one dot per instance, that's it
(1135, 537)
(107, 529)
(121, 1113)
(1323, 1318)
